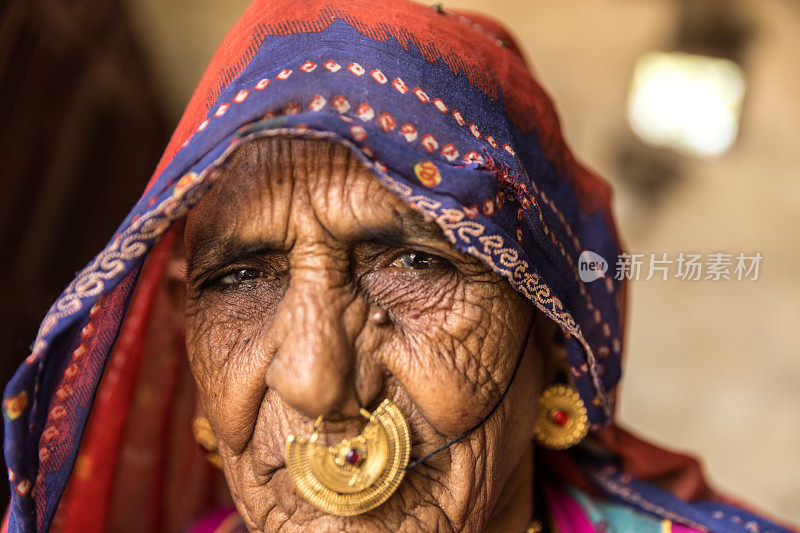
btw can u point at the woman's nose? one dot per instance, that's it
(314, 364)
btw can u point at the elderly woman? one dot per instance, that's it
(354, 280)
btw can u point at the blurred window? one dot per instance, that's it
(690, 103)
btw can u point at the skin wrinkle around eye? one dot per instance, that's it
(442, 357)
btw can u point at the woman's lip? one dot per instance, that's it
(338, 429)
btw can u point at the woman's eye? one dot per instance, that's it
(418, 261)
(243, 275)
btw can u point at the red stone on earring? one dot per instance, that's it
(352, 456)
(559, 417)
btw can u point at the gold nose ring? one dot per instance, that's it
(357, 474)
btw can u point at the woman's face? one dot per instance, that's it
(312, 290)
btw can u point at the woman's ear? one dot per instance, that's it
(549, 340)
(175, 276)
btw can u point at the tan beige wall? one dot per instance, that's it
(712, 367)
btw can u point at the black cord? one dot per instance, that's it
(412, 464)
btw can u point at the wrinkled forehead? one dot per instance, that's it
(275, 188)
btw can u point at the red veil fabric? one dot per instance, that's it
(139, 464)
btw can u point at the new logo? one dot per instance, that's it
(591, 266)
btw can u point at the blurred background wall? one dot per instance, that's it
(712, 367)
(81, 130)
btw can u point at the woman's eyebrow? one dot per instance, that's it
(215, 252)
(405, 229)
(394, 236)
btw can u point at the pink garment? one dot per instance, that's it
(221, 520)
(566, 514)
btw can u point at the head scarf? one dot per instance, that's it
(444, 111)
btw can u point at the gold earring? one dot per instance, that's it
(357, 474)
(204, 436)
(562, 421)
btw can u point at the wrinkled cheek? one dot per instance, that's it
(209, 346)
(196, 341)
(228, 365)
(205, 346)
(446, 398)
